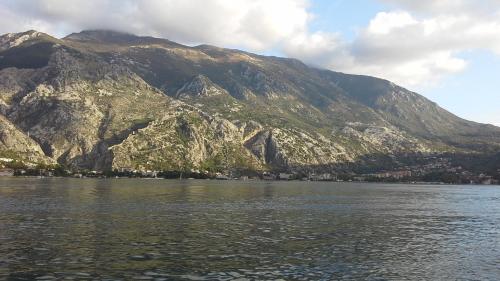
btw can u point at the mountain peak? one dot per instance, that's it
(102, 35)
(106, 36)
(10, 40)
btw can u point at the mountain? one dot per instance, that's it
(104, 100)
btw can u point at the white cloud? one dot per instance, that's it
(253, 24)
(455, 7)
(414, 43)
(384, 23)
(414, 47)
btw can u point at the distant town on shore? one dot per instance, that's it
(440, 171)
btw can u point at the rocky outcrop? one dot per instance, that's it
(16, 145)
(200, 86)
(384, 139)
(184, 140)
(288, 149)
(11, 40)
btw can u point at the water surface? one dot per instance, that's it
(125, 229)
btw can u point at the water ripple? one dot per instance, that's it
(69, 229)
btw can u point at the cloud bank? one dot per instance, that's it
(413, 43)
(257, 25)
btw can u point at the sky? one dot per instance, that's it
(446, 50)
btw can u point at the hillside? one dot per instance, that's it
(104, 100)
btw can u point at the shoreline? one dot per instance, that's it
(246, 180)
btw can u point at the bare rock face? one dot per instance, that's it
(184, 140)
(104, 100)
(200, 86)
(385, 139)
(293, 149)
(11, 40)
(16, 145)
(248, 129)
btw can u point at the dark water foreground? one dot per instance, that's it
(214, 230)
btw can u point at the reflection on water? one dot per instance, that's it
(210, 230)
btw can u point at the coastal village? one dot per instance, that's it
(439, 170)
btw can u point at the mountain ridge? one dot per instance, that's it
(108, 100)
